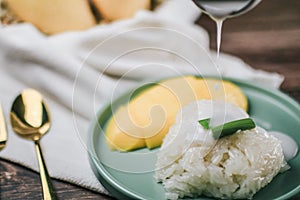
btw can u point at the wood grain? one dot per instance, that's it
(17, 182)
(267, 38)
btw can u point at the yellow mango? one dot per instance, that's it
(169, 96)
(221, 90)
(121, 133)
(146, 119)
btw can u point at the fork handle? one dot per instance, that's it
(48, 192)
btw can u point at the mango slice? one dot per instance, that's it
(118, 131)
(169, 96)
(146, 119)
(220, 90)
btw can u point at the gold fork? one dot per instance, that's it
(3, 132)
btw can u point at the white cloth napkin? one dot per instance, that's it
(79, 72)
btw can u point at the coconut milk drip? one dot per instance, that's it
(219, 23)
(219, 10)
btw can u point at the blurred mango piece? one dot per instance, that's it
(112, 10)
(53, 16)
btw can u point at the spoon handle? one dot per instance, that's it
(3, 132)
(48, 192)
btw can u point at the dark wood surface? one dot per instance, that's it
(267, 38)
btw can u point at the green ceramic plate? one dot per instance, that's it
(130, 175)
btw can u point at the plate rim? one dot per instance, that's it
(119, 189)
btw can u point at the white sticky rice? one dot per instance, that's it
(191, 163)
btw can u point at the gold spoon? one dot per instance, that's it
(30, 119)
(3, 133)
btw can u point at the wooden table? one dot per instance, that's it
(267, 38)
